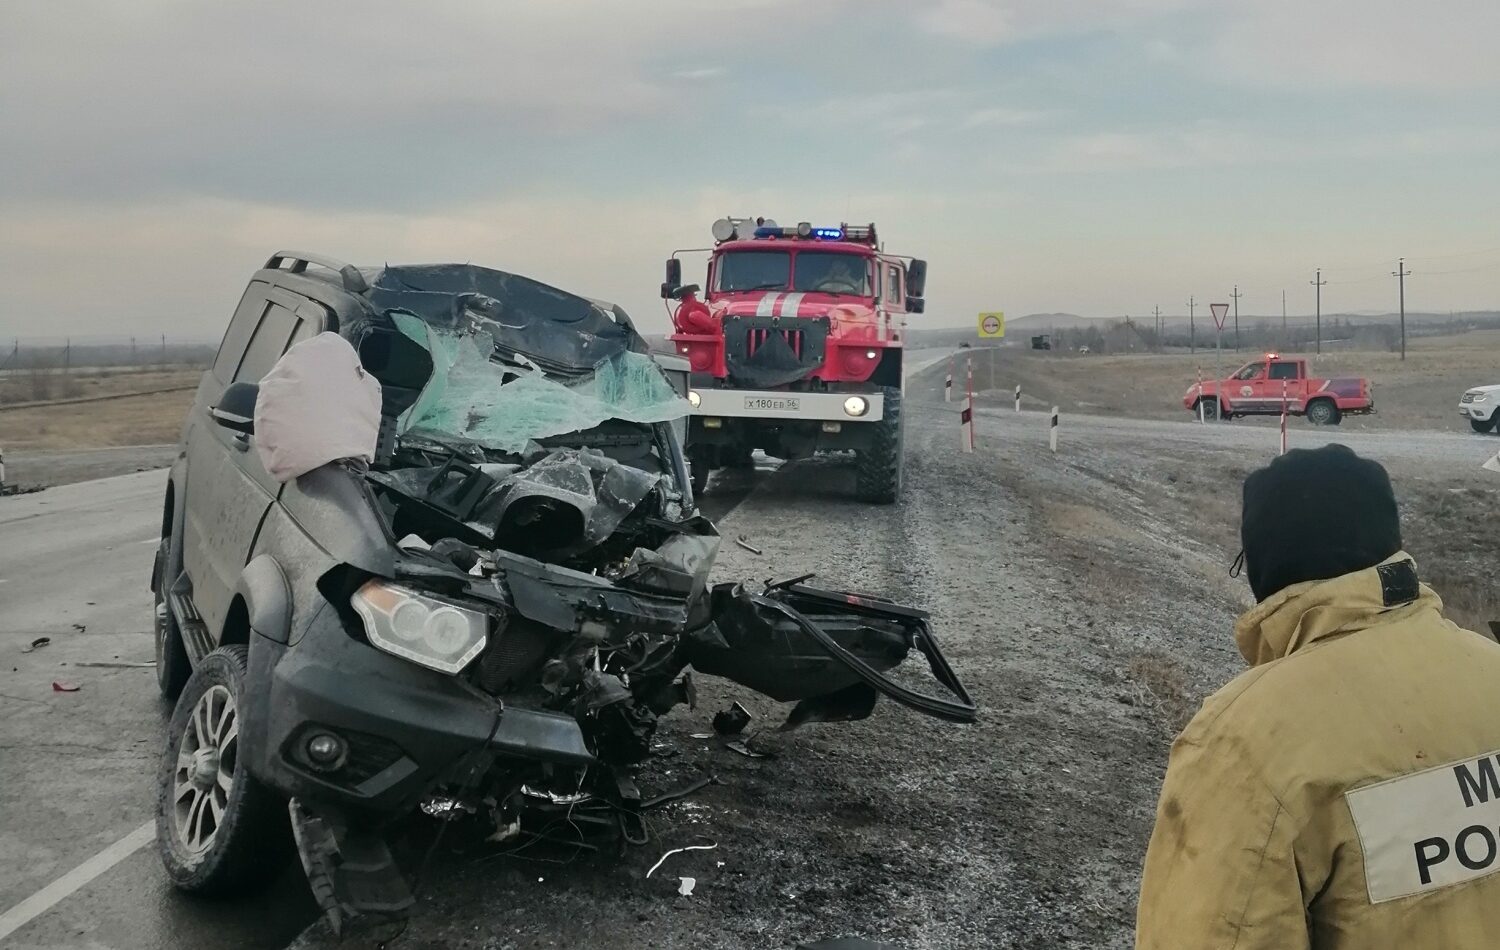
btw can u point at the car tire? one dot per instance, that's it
(1323, 412)
(204, 781)
(1209, 409)
(1480, 426)
(881, 467)
(172, 665)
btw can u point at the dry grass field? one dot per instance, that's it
(119, 419)
(1420, 393)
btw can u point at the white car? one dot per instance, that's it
(1481, 406)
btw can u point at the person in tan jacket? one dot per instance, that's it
(1344, 792)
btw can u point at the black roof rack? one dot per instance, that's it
(354, 281)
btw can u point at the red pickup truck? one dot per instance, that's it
(1257, 389)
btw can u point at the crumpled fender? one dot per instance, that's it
(268, 598)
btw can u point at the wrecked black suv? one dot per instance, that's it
(482, 612)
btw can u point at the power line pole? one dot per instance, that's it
(1158, 327)
(1401, 273)
(1283, 318)
(1192, 329)
(1236, 295)
(1318, 282)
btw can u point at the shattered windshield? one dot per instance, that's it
(473, 397)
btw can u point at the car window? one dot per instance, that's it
(246, 318)
(1253, 371)
(1283, 370)
(753, 270)
(831, 273)
(270, 340)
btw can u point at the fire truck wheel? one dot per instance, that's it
(698, 471)
(1322, 412)
(879, 473)
(738, 457)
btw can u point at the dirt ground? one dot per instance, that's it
(1420, 393)
(1027, 830)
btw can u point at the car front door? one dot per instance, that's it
(228, 490)
(1246, 390)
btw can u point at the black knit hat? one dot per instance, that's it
(1313, 514)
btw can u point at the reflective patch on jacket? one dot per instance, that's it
(1429, 830)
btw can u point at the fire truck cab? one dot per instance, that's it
(795, 347)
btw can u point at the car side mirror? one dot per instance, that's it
(235, 409)
(916, 279)
(674, 279)
(916, 305)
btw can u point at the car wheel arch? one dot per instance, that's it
(265, 598)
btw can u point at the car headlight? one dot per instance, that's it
(856, 406)
(694, 399)
(1480, 397)
(430, 632)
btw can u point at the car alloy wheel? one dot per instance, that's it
(205, 769)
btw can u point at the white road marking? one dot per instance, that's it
(62, 888)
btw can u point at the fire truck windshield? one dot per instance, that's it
(815, 272)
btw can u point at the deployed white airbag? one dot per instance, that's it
(317, 405)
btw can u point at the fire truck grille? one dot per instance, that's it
(756, 338)
(772, 351)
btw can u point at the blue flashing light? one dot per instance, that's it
(828, 234)
(767, 232)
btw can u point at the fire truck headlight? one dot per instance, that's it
(856, 405)
(694, 399)
(870, 354)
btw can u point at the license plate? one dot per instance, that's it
(768, 402)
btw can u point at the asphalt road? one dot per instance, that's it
(77, 769)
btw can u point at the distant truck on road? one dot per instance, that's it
(1257, 389)
(1480, 405)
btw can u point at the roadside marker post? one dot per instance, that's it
(1200, 395)
(948, 383)
(1052, 437)
(1283, 417)
(1018, 397)
(966, 415)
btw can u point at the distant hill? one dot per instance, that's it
(1047, 321)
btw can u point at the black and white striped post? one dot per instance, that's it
(948, 383)
(1018, 397)
(966, 415)
(1052, 438)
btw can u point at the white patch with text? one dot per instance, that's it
(1429, 830)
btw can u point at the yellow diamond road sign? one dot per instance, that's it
(992, 325)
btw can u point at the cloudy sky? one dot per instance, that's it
(1097, 157)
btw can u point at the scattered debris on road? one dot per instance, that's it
(731, 721)
(690, 847)
(36, 644)
(63, 686)
(742, 542)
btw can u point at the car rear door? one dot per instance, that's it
(1285, 374)
(228, 490)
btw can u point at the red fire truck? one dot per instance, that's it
(796, 347)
